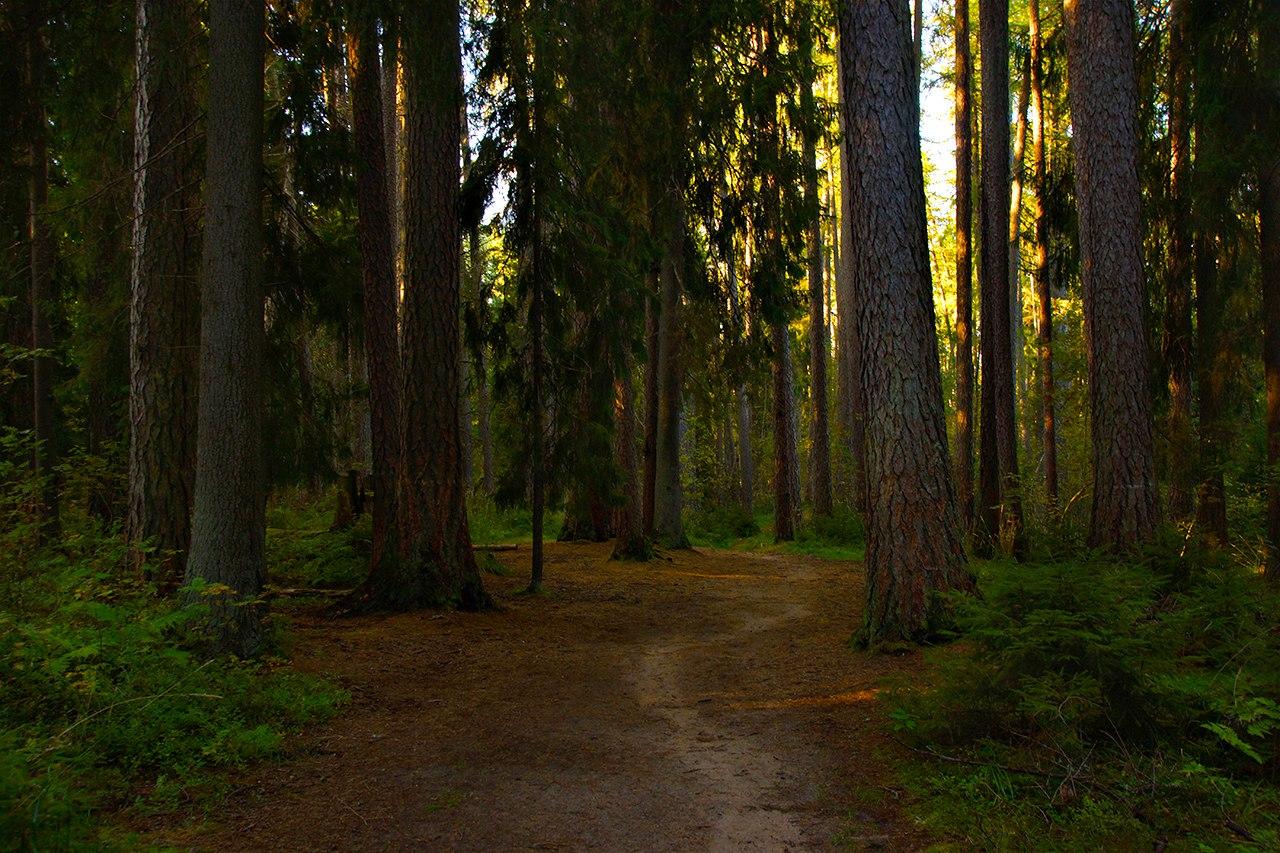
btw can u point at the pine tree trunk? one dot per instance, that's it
(650, 447)
(786, 481)
(631, 543)
(1177, 318)
(746, 467)
(228, 527)
(1040, 272)
(374, 231)
(914, 548)
(164, 295)
(1269, 241)
(668, 523)
(1103, 96)
(390, 69)
(44, 457)
(1018, 168)
(964, 267)
(819, 438)
(437, 566)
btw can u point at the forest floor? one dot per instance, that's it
(707, 700)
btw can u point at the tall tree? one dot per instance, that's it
(436, 565)
(375, 234)
(914, 547)
(1040, 269)
(746, 464)
(40, 260)
(649, 448)
(964, 265)
(786, 485)
(820, 437)
(1177, 316)
(228, 528)
(164, 298)
(1269, 237)
(1103, 96)
(1000, 513)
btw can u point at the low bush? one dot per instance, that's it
(1101, 704)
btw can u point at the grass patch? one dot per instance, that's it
(838, 537)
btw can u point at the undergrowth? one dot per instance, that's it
(839, 536)
(1104, 705)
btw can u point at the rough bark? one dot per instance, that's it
(1000, 512)
(44, 457)
(819, 437)
(1103, 97)
(1016, 172)
(228, 528)
(164, 294)
(914, 548)
(964, 266)
(650, 447)
(390, 69)
(1269, 238)
(1040, 269)
(786, 481)
(437, 565)
(631, 544)
(1177, 318)
(668, 505)
(374, 232)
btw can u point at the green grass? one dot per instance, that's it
(839, 537)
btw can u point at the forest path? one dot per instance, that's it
(702, 702)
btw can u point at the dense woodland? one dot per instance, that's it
(433, 278)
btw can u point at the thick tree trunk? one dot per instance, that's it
(437, 566)
(650, 447)
(374, 231)
(164, 294)
(964, 267)
(914, 547)
(390, 69)
(1103, 96)
(1269, 236)
(786, 469)
(819, 438)
(1000, 513)
(1040, 271)
(44, 458)
(228, 528)
(631, 544)
(1177, 318)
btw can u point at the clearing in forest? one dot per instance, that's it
(707, 700)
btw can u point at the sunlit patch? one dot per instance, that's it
(849, 697)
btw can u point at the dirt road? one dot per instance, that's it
(705, 702)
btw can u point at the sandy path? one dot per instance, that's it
(706, 702)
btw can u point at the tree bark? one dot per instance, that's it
(437, 565)
(1016, 172)
(650, 448)
(1103, 96)
(786, 485)
(1269, 239)
(668, 523)
(746, 466)
(164, 294)
(374, 231)
(819, 438)
(44, 457)
(964, 267)
(631, 544)
(1177, 318)
(914, 548)
(1000, 513)
(1040, 271)
(228, 529)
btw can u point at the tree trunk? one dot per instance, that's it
(1177, 317)
(1000, 515)
(164, 296)
(746, 472)
(786, 485)
(1040, 272)
(44, 457)
(436, 566)
(631, 543)
(374, 231)
(1018, 167)
(228, 528)
(914, 548)
(819, 438)
(1103, 96)
(1269, 236)
(390, 69)
(650, 449)
(964, 267)
(668, 524)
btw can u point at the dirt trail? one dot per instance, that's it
(706, 702)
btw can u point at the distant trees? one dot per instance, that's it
(228, 527)
(914, 547)
(164, 294)
(1103, 95)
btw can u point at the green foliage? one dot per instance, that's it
(105, 704)
(1105, 704)
(303, 551)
